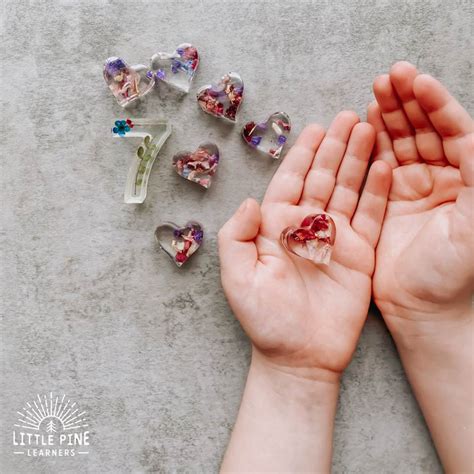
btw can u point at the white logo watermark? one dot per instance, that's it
(51, 427)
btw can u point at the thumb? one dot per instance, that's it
(237, 250)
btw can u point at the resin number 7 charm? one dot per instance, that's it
(154, 134)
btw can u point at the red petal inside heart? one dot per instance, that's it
(248, 129)
(321, 222)
(308, 220)
(302, 235)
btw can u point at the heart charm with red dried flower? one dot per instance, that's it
(313, 240)
(179, 243)
(198, 166)
(222, 99)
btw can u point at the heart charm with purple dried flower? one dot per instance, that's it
(223, 98)
(179, 243)
(176, 69)
(313, 240)
(268, 137)
(198, 166)
(127, 83)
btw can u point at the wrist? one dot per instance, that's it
(285, 421)
(416, 328)
(311, 386)
(437, 356)
(432, 347)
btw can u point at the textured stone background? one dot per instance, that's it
(91, 308)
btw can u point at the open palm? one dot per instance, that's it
(298, 314)
(425, 254)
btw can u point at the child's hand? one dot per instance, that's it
(302, 318)
(425, 258)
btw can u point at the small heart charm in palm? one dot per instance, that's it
(313, 240)
(222, 99)
(198, 166)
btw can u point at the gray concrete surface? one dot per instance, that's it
(91, 308)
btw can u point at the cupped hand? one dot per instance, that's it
(303, 317)
(425, 257)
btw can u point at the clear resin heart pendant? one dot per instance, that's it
(179, 243)
(313, 240)
(268, 137)
(127, 83)
(176, 69)
(222, 99)
(198, 166)
(153, 134)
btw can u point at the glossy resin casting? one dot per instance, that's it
(198, 166)
(223, 98)
(179, 243)
(268, 137)
(127, 83)
(313, 240)
(176, 69)
(154, 134)
(130, 83)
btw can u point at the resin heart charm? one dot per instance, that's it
(270, 136)
(313, 240)
(176, 69)
(198, 166)
(127, 83)
(222, 99)
(179, 243)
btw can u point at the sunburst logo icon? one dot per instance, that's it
(51, 426)
(51, 414)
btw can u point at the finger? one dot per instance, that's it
(237, 250)
(288, 181)
(428, 142)
(383, 149)
(352, 171)
(321, 178)
(396, 122)
(368, 218)
(450, 119)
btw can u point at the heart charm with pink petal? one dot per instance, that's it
(179, 243)
(127, 83)
(313, 240)
(224, 98)
(198, 166)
